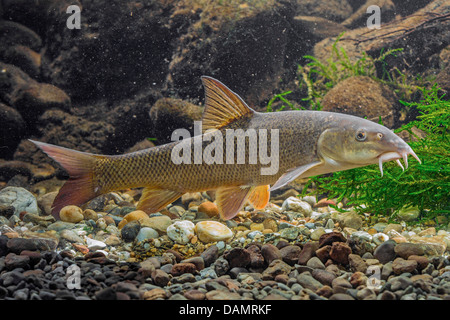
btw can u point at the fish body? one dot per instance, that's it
(240, 154)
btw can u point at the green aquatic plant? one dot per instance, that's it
(425, 185)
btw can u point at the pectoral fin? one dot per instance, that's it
(231, 199)
(153, 200)
(260, 196)
(293, 174)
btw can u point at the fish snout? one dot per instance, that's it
(402, 152)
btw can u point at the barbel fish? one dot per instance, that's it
(303, 144)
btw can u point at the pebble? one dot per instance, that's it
(407, 249)
(209, 208)
(158, 223)
(94, 245)
(317, 233)
(21, 199)
(262, 257)
(401, 265)
(385, 252)
(297, 205)
(212, 231)
(132, 216)
(72, 214)
(130, 231)
(181, 231)
(339, 252)
(146, 233)
(352, 220)
(408, 214)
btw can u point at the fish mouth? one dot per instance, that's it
(402, 154)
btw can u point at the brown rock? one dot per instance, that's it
(357, 279)
(270, 252)
(307, 252)
(256, 258)
(25, 58)
(374, 100)
(329, 238)
(157, 293)
(333, 9)
(276, 267)
(357, 263)
(183, 267)
(422, 262)
(401, 265)
(339, 252)
(194, 294)
(169, 114)
(323, 276)
(290, 254)
(237, 257)
(323, 253)
(407, 249)
(160, 277)
(209, 208)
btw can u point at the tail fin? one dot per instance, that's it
(80, 187)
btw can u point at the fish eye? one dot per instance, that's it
(379, 135)
(360, 135)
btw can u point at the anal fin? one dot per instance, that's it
(231, 199)
(153, 200)
(260, 196)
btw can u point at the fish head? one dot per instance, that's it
(357, 142)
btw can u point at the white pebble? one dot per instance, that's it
(181, 231)
(297, 205)
(94, 245)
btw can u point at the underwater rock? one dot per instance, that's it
(132, 216)
(94, 245)
(264, 38)
(407, 249)
(335, 10)
(339, 252)
(146, 233)
(21, 199)
(372, 101)
(352, 220)
(130, 231)
(359, 18)
(420, 34)
(401, 265)
(23, 57)
(209, 208)
(158, 223)
(168, 114)
(297, 205)
(319, 28)
(38, 97)
(212, 231)
(71, 214)
(408, 214)
(181, 231)
(12, 129)
(385, 252)
(13, 33)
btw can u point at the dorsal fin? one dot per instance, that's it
(222, 105)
